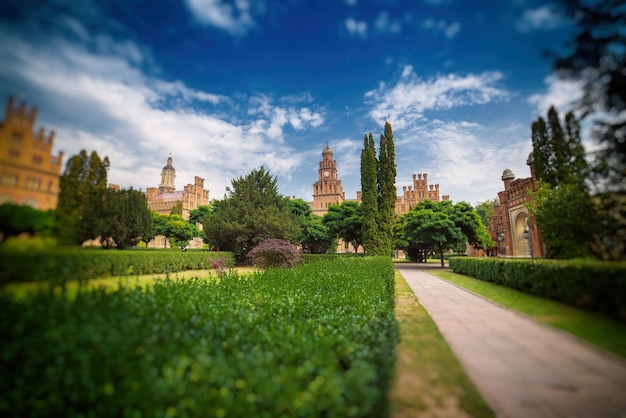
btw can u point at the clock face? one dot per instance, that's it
(326, 173)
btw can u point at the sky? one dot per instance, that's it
(225, 87)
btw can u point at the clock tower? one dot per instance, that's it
(327, 190)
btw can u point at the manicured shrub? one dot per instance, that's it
(56, 266)
(313, 341)
(589, 284)
(274, 253)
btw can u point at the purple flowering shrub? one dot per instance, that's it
(220, 265)
(274, 253)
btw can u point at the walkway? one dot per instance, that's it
(520, 367)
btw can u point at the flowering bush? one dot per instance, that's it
(274, 253)
(221, 266)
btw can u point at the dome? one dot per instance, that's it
(531, 159)
(507, 175)
(169, 165)
(327, 150)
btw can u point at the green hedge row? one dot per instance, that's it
(62, 264)
(313, 341)
(588, 284)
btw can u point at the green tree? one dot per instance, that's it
(177, 209)
(199, 214)
(485, 210)
(558, 153)
(315, 237)
(427, 229)
(18, 219)
(468, 220)
(566, 217)
(369, 196)
(386, 189)
(178, 231)
(118, 215)
(596, 56)
(85, 176)
(154, 228)
(251, 211)
(345, 221)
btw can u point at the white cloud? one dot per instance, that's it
(452, 30)
(562, 94)
(356, 28)
(384, 23)
(101, 101)
(234, 18)
(541, 18)
(449, 30)
(464, 158)
(404, 103)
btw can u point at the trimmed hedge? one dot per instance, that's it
(62, 264)
(313, 341)
(589, 284)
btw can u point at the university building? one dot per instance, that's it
(511, 227)
(29, 173)
(163, 198)
(327, 190)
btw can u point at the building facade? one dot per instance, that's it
(511, 227)
(327, 190)
(420, 191)
(29, 173)
(163, 198)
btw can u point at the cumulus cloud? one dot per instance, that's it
(405, 102)
(541, 18)
(105, 102)
(234, 18)
(356, 28)
(448, 29)
(562, 94)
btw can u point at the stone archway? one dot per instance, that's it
(520, 243)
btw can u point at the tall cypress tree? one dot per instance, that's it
(369, 196)
(558, 154)
(386, 189)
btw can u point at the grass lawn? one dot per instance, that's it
(114, 282)
(595, 328)
(429, 381)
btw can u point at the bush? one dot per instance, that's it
(60, 265)
(313, 341)
(274, 253)
(588, 284)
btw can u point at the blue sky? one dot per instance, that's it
(228, 86)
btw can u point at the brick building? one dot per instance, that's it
(29, 173)
(163, 198)
(511, 227)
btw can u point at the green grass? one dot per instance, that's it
(429, 380)
(19, 290)
(595, 328)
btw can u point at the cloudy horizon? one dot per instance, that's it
(225, 87)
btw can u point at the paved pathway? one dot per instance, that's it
(520, 367)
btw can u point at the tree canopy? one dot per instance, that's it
(120, 215)
(439, 227)
(378, 193)
(596, 56)
(84, 178)
(315, 237)
(345, 221)
(252, 210)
